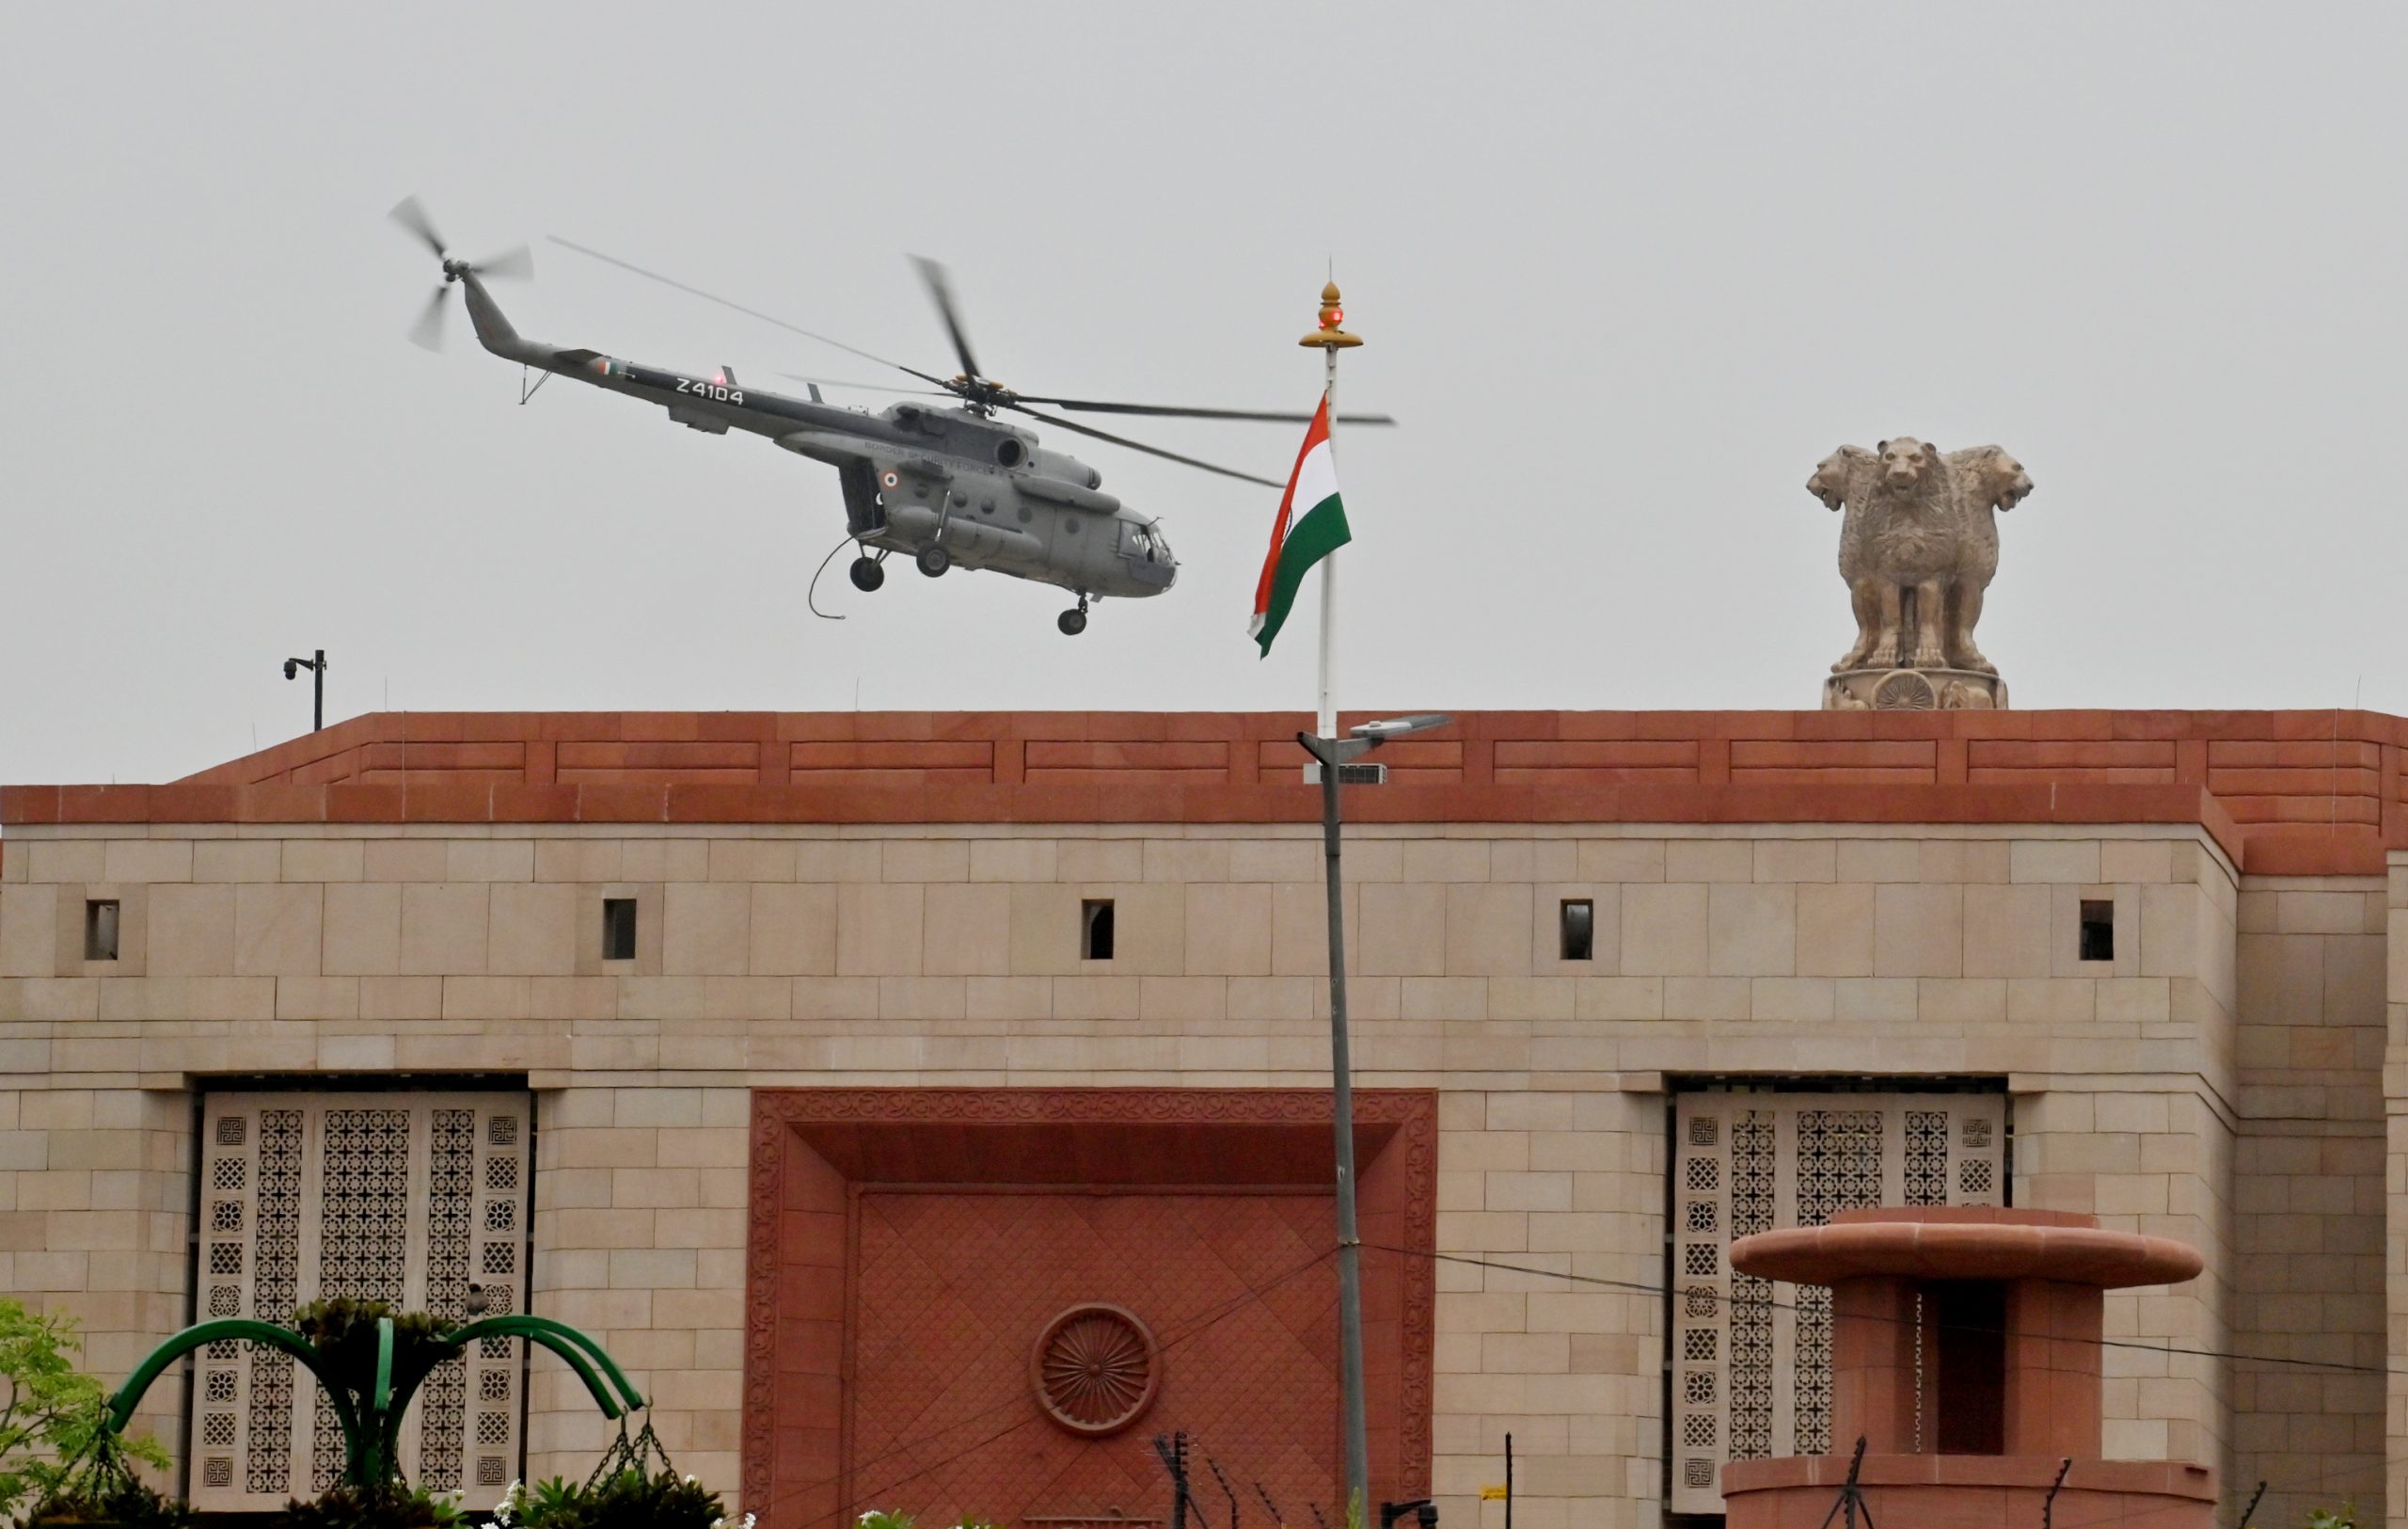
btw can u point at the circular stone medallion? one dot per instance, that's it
(1903, 689)
(1096, 1369)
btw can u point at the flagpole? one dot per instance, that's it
(1354, 1434)
(1325, 720)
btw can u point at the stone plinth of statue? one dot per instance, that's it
(1914, 690)
(1966, 1353)
(1918, 550)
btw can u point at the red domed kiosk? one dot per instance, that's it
(1966, 1354)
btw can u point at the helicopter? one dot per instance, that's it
(951, 485)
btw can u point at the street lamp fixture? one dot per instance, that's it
(317, 667)
(1334, 754)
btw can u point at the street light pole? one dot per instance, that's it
(1334, 754)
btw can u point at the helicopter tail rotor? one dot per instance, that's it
(411, 214)
(514, 265)
(427, 332)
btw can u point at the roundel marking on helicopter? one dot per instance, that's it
(889, 480)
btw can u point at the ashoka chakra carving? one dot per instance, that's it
(1096, 1369)
(1903, 689)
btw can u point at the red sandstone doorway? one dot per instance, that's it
(909, 1247)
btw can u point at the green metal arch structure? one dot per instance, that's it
(371, 1442)
(129, 1396)
(562, 1340)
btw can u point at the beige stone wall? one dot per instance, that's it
(2308, 1180)
(2395, 1169)
(2153, 1156)
(1570, 1182)
(803, 956)
(94, 1209)
(640, 1196)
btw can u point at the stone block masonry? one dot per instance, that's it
(893, 902)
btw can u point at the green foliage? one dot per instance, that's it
(126, 1503)
(2346, 1519)
(639, 1500)
(53, 1416)
(545, 1505)
(344, 1332)
(385, 1507)
(629, 1500)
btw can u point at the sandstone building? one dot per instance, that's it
(829, 1068)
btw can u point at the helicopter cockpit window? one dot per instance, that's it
(1145, 542)
(1134, 542)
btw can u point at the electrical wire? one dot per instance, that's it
(1212, 1316)
(1228, 1308)
(1666, 1292)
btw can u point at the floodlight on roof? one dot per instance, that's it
(1394, 726)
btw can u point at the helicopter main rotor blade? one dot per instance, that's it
(411, 215)
(940, 288)
(866, 386)
(1077, 428)
(748, 313)
(515, 264)
(1167, 411)
(426, 333)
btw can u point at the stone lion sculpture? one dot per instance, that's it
(1841, 480)
(1987, 481)
(1918, 547)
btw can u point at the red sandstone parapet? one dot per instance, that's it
(2286, 792)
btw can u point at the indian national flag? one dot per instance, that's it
(1311, 525)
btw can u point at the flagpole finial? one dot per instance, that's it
(1329, 336)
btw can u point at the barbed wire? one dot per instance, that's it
(1222, 1311)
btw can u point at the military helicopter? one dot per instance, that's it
(952, 485)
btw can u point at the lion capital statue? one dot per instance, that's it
(1918, 548)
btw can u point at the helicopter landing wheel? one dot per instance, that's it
(934, 559)
(868, 574)
(1071, 622)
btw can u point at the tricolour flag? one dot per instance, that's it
(1311, 525)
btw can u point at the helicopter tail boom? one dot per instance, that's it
(495, 331)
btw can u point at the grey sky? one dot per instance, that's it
(1625, 274)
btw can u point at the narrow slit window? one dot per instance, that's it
(100, 928)
(618, 928)
(2097, 929)
(1576, 929)
(1095, 929)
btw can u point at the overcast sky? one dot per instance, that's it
(1625, 273)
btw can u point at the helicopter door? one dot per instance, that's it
(863, 514)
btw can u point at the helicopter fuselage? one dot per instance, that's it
(913, 477)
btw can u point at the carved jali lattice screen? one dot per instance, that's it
(1751, 1359)
(408, 1197)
